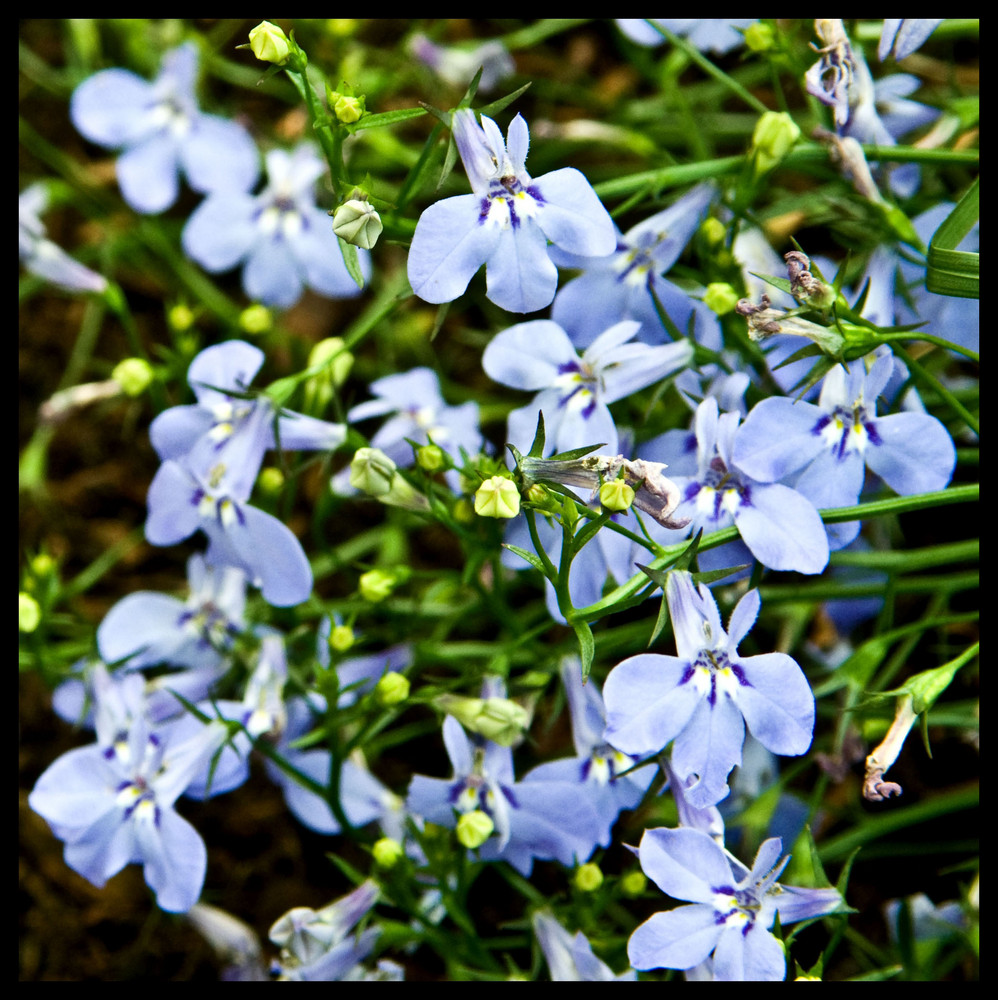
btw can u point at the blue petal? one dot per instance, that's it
(221, 231)
(219, 155)
(777, 703)
(176, 860)
(676, 939)
(519, 274)
(112, 108)
(528, 355)
(572, 216)
(147, 174)
(448, 247)
(782, 529)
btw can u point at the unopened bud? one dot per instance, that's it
(29, 613)
(341, 638)
(372, 471)
(633, 883)
(497, 497)
(348, 109)
(760, 37)
(133, 375)
(357, 222)
(392, 689)
(774, 136)
(474, 828)
(720, 298)
(269, 43)
(256, 319)
(498, 719)
(180, 317)
(270, 481)
(341, 363)
(376, 584)
(616, 495)
(588, 878)
(430, 458)
(387, 852)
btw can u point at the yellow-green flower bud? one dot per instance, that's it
(349, 110)
(463, 511)
(713, 231)
(616, 495)
(372, 471)
(341, 638)
(133, 375)
(720, 298)
(498, 719)
(588, 878)
(430, 458)
(392, 689)
(497, 497)
(633, 883)
(29, 612)
(357, 222)
(760, 37)
(269, 43)
(376, 584)
(270, 481)
(180, 317)
(387, 852)
(774, 136)
(256, 319)
(42, 565)
(474, 828)
(342, 360)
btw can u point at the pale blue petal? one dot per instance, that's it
(684, 863)
(175, 860)
(148, 174)
(528, 355)
(219, 155)
(221, 231)
(915, 453)
(320, 259)
(777, 438)
(572, 216)
(106, 848)
(76, 790)
(749, 955)
(112, 108)
(782, 529)
(272, 274)
(777, 703)
(676, 939)
(176, 430)
(709, 746)
(519, 275)
(646, 703)
(143, 621)
(450, 244)
(173, 514)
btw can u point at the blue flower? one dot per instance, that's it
(779, 525)
(225, 423)
(112, 802)
(575, 392)
(41, 256)
(506, 223)
(285, 241)
(181, 501)
(457, 66)
(532, 819)
(149, 628)
(571, 959)
(161, 131)
(597, 768)
(705, 696)
(708, 34)
(626, 284)
(900, 36)
(830, 444)
(733, 908)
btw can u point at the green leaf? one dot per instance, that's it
(531, 557)
(351, 261)
(387, 118)
(571, 456)
(951, 271)
(537, 446)
(504, 102)
(587, 647)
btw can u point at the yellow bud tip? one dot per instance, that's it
(497, 497)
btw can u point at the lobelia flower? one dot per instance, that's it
(829, 445)
(182, 501)
(148, 628)
(597, 768)
(41, 256)
(506, 223)
(900, 36)
(316, 945)
(575, 392)
(112, 802)
(625, 284)
(284, 240)
(458, 66)
(161, 132)
(224, 421)
(530, 819)
(710, 34)
(779, 525)
(704, 697)
(733, 907)
(571, 959)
